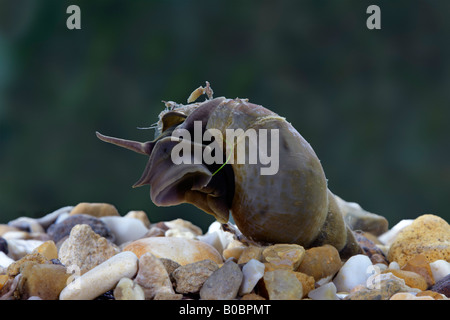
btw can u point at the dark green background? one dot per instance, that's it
(374, 104)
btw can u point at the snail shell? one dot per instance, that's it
(292, 205)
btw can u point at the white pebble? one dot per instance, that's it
(394, 265)
(440, 269)
(253, 270)
(125, 229)
(102, 278)
(18, 248)
(355, 271)
(325, 292)
(5, 261)
(389, 236)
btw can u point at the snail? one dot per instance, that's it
(291, 204)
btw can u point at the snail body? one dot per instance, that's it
(292, 205)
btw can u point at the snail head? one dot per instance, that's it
(200, 184)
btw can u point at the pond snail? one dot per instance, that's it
(291, 204)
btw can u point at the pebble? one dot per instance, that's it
(370, 249)
(127, 289)
(434, 295)
(183, 251)
(3, 245)
(152, 276)
(84, 249)
(409, 296)
(95, 209)
(284, 255)
(308, 282)
(125, 229)
(439, 269)
(420, 265)
(355, 271)
(223, 284)
(45, 281)
(388, 237)
(5, 261)
(252, 272)
(249, 253)
(412, 279)
(18, 248)
(282, 284)
(48, 250)
(325, 292)
(190, 278)
(58, 231)
(102, 278)
(321, 262)
(428, 235)
(442, 286)
(27, 224)
(382, 287)
(140, 215)
(216, 237)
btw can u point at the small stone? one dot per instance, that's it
(58, 231)
(102, 278)
(412, 279)
(153, 276)
(325, 292)
(180, 226)
(434, 295)
(282, 284)
(5, 261)
(125, 229)
(249, 253)
(439, 269)
(3, 245)
(14, 268)
(18, 248)
(190, 278)
(252, 271)
(223, 284)
(27, 224)
(48, 250)
(388, 237)
(420, 265)
(95, 209)
(234, 250)
(385, 287)
(170, 266)
(428, 235)
(354, 271)
(85, 249)
(127, 289)
(442, 286)
(3, 279)
(409, 296)
(45, 281)
(4, 228)
(321, 262)
(140, 215)
(252, 296)
(216, 237)
(308, 282)
(370, 249)
(183, 251)
(167, 296)
(284, 255)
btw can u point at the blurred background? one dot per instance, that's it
(374, 104)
